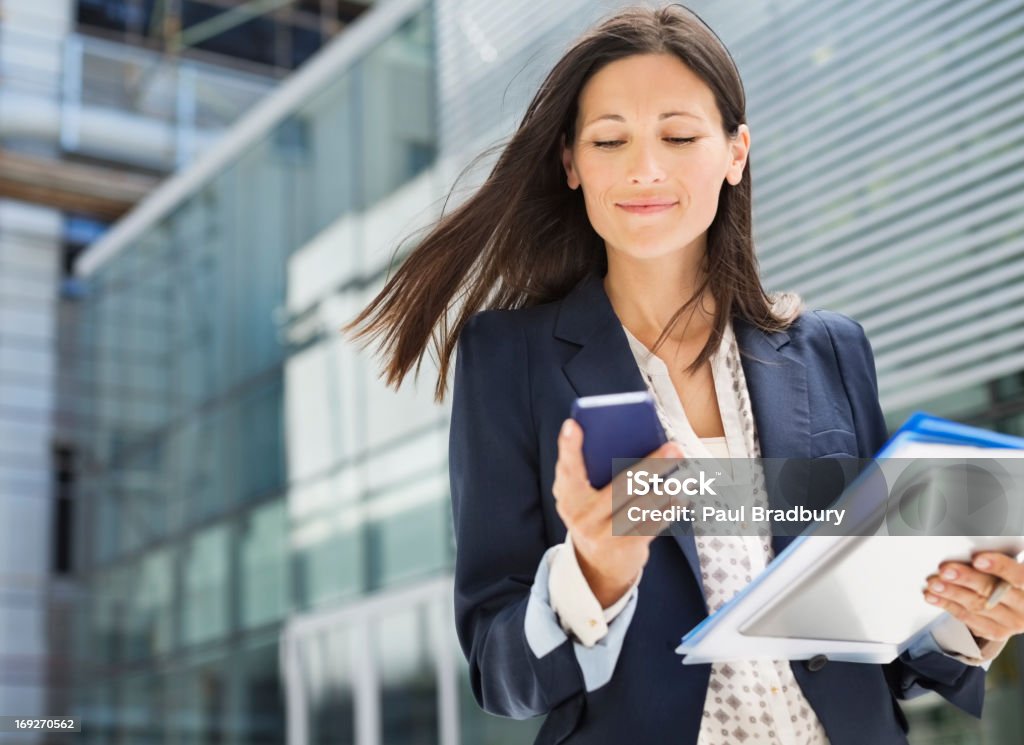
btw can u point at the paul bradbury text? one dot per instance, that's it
(738, 515)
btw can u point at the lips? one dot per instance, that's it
(645, 208)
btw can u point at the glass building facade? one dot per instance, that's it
(264, 530)
(219, 493)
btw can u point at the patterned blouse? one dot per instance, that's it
(747, 702)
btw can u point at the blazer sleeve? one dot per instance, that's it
(499, 524)
(908, 676)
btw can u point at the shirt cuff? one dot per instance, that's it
(544, 632)
(952, 638)
(578, 609)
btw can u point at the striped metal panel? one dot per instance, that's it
(892, 187)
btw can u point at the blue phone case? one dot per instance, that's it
(618, 425)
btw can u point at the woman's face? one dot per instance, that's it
(629, 149)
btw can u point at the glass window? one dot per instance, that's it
(262, 695)
(149, 608)
(264, 559)
(325, 186)
(205, 605)
(261, 441)
(329, 557)
(140, 709)
(206, 471)
(99, 713)
(197, 701)
(1011, 425)
(105, 519)
(408, 678)
(1010, 387)
(103, 641)
(327, 674)
(193, 271)
(312, 446)
(252, 289)
(138, 486)
(397, 108)
(412, 542)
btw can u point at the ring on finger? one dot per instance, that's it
(997, 594)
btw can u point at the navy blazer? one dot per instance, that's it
(814, 393)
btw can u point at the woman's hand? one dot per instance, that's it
(963, 589)
(609, 562)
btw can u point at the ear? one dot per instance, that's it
(739, 148)
(567, 164)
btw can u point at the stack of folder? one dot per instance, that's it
(857, 597)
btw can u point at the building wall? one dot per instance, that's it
(29, 270)
(30, 266)
(252, 476)
(47, 71)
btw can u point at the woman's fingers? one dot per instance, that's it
(996, 624)
(962, 590)
(1002, 566)
(965, 576)
(570, 454)
(570, 471)
(970, 600)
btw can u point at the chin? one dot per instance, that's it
(647, 251)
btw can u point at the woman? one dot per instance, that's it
(625, 190)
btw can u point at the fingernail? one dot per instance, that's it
(938, 587)
(931, 599)
(982, 563)
(567, 428)
(949, 574)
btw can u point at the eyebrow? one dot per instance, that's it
(666, 115)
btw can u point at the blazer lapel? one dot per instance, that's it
(604, 363)
(777, 383)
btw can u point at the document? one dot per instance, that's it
(857, 597)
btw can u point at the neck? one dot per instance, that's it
(645, 296)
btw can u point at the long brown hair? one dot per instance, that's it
(524, 237)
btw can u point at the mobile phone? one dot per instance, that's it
(616, 425)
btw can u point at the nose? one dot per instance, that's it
(644, 166)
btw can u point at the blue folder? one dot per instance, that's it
(922, 427)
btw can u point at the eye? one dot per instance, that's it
(609, 144)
